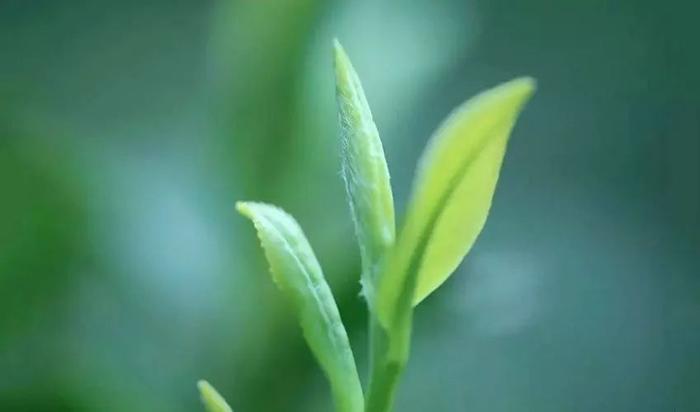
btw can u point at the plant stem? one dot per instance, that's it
(384, 372)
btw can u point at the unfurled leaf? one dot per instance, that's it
(364, 170)
(452, 196)
(213, 402)
(298, 274)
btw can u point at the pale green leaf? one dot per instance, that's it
(213, 402)
(452, 195)
(364, 170)
(298, 274)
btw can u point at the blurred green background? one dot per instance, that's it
(129, 129)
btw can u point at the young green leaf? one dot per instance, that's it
(298, 274)
(364, 170)
(452, 195)
(213, 402)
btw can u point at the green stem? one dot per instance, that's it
(384, 371)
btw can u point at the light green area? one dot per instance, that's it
(457, 179)
(298, 274)
(365, 172)
(212, 400)
(453, 189)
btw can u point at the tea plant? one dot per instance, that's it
(452, 195)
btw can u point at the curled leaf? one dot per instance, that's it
(213, 402)
(298, 274)
(452, 195)
(364, 170)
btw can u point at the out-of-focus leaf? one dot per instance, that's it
(452, 196)
(364, 170)
(213, 402)
(298, 274)
(252, 82)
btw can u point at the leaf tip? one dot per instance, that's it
(336, 44)
(521, 89)
(244, 208)
(341, 62)
(338, 50)
(203, 386)
(527, 82)
(211, 399)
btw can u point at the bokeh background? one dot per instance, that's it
(129, 129)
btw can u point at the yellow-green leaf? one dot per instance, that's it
(298, 274)
(364, 170)
(213, 402)
(452, 195)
